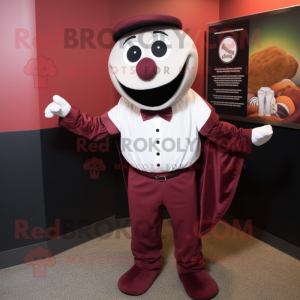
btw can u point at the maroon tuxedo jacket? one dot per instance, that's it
(223, 148)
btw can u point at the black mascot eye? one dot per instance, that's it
(159, 48)
(134, 54)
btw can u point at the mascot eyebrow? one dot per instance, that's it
(133, 36)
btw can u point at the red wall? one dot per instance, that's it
(89, 88)
(19, 102)
(82, 76)
(237, 8)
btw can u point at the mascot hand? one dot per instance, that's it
(261, 135)
(59, 107)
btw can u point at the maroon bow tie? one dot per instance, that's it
(164, 113)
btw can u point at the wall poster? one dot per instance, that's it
(252, 68)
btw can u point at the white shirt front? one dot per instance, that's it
(156, 145)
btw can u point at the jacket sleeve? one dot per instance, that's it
(92, 128)
(227, 136)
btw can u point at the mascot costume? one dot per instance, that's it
(165, 131)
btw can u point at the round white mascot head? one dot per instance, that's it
(153, 63)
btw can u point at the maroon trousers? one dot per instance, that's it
(146, 198)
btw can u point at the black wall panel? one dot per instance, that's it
(269, 189)
(71, 195)
(42, 179)
(21, 186)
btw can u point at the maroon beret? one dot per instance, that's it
(141, 21)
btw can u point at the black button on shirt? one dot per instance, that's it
(157, 130)
(157, 153)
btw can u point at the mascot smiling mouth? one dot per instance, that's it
(157, 96)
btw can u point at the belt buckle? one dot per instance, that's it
(165, 179)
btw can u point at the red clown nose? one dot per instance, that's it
(146, 68)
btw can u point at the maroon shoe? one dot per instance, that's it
(199, 285)
(137, 281)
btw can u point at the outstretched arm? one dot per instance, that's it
(226, 135)
(230, 137)
(92, 128)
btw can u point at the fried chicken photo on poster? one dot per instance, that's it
(274, 78)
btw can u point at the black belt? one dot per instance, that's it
(161, 178)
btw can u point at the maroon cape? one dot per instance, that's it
(218, 172)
